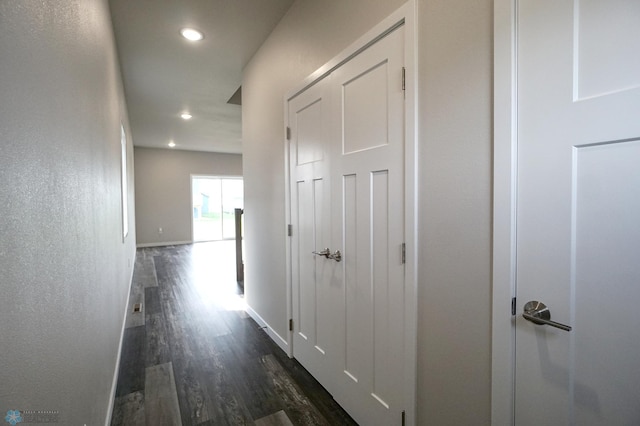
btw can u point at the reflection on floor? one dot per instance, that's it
(192, 356)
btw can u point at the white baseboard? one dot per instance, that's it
(114, 381)
(280, 341)
(162, 244)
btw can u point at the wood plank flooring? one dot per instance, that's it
(192, 356)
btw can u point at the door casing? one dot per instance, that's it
(504, 213)
(405, 14)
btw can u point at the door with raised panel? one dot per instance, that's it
(578, 210)
(368, 174)
(309, 158)
(347, 195)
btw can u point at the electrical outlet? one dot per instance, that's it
(159, 230)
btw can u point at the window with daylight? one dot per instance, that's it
(213, 204)
(124, 183)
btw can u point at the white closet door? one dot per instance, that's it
(347, 195)
(311, 217)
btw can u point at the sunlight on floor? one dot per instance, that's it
(214, 275)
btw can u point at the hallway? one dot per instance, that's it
(192, 356)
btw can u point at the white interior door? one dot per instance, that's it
(310, 200)
(347, 195)
(368, 173)
(578, 211)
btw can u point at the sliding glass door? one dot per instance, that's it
(213, 201)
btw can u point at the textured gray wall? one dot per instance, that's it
(455, 160)
(163, 190)
(455, 83)
(64, 269)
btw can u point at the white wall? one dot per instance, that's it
(64, 269)
(163, 190)
(455, 60)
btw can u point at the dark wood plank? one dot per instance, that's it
(225, 370)
(161, 402)
(152, 300)
(251, 381)
(300, 410)
(128, 410)
(223, 404)
(132, 360)
(157, 347)
(278, 419)
(144, 271)
(190, 392)
(313, 390)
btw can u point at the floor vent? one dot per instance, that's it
(137, 307)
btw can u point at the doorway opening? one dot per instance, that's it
(213, 203)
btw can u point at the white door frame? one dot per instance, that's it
(504, 212)
(404, 15)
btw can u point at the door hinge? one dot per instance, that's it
(404, 417)
(513, 306)
(291, 324)
(404, 253)
(403, 78)
(288, 133)
(289, 230)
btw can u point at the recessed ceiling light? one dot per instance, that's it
(172, 144)
(191, 34)
(186, 116)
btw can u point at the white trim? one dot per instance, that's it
(114, 381)
(287, 245)
(406, 15)
(410, 13)
(124, 184)
(280, 341)
(163, 244)
(504, 217)
(191, 176)
(390, 23)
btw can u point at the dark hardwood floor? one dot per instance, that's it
(192, 356)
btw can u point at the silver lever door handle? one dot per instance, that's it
(326, 253)
(538, 313)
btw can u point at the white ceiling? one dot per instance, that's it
(165, 75)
